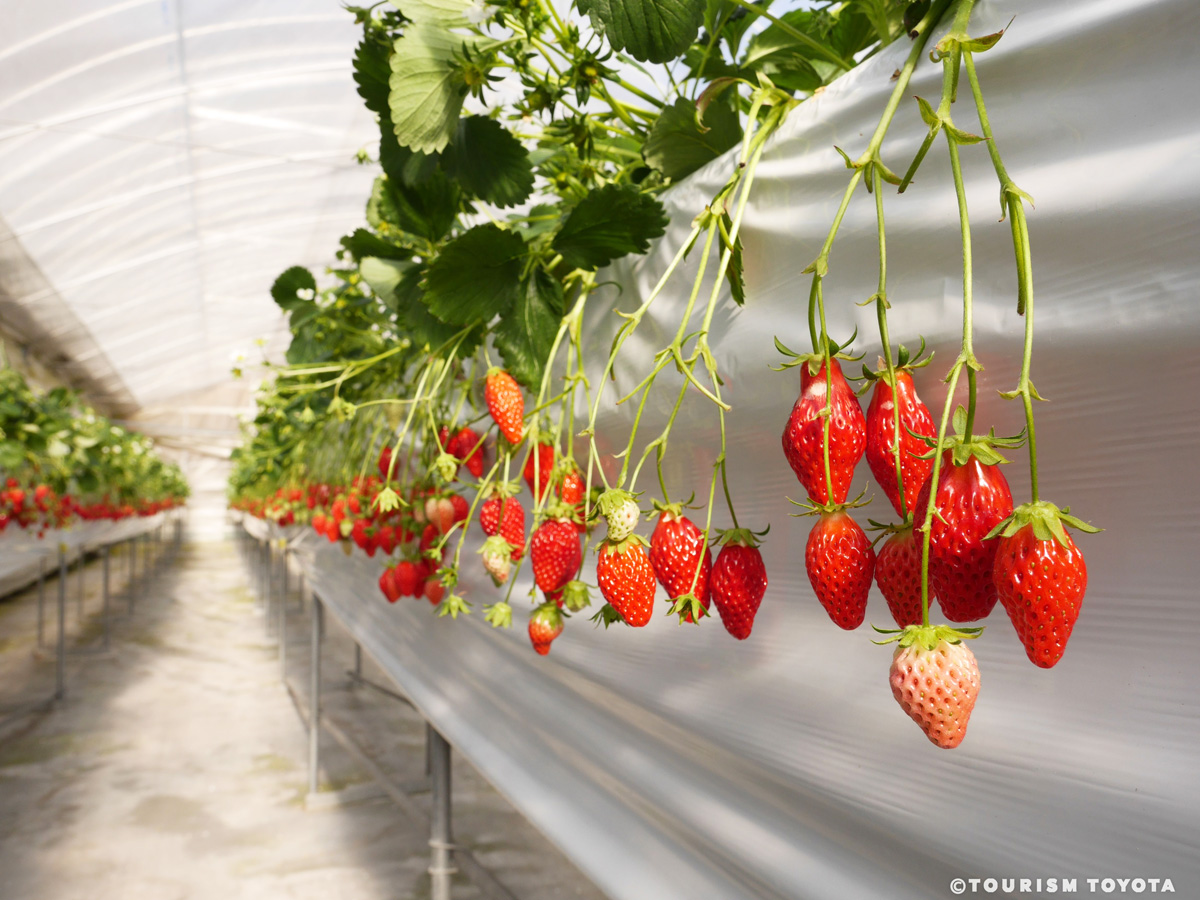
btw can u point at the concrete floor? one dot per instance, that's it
(175, 769)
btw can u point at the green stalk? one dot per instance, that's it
(881, 308)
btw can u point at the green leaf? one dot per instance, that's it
(400, 163)
(490, 162)
(524, 336)
(371, 73)
(383, 275)
(286, 287)
(607, 224)
(545, 218)
(427, 88)
(651, 30)
(416, 322)
(363, 243)
(733, 273)
(677, 146)
(12, 455)
(427, 209)
(476, 276)
(443, 12)
(789, 62)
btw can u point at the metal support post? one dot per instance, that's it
(107, 616)
(440, 839)
(60, 684)
(79, 596)
(270, 575)
(283, 628)
(283, 553)
(41, 615)
(314, 708)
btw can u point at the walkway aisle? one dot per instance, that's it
(175, 769)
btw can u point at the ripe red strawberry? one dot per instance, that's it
(738, 581)
(545, 625)
(387, 584)
(555, 553)
(881, 443)
(840, 562)
(430, 537)
(385, 461)
(506, 403)
(803, 436)
(407, 578)
(1041, 578)
(898, 574)
(681, 559)
(461, 508)
(506, 517)
(971, 500)
(935, 679)
(386, 539)
(627, 579)
(538, 468)
(572, 487)
(466, 446)
(434, 591)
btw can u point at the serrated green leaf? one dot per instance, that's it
(444, 12)
(416, 322)
(733, 274)
(284, 290)
(476, 276)
(650, 30)
(426, 87)
(363, 243)
(490, 162)
(12, 455)
(383, 275)
(426, 209)
(609, 223)
(371, 73)
(524, 335)
(676, 145)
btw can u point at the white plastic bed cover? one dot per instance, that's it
(674, 763)
(20, 551)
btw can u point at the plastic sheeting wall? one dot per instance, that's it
(674, 762)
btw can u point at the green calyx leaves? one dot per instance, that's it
(905, 361)
(926, 636)
(688, 606)
(814, 360)
(498, 615)
(742, 537)
(1046, 520)
(609, 547)
(981, 446)
(607, 615)
(613, 501)
(453, 606)
(576, 596)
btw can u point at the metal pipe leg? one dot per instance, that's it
(283, 630)
(314, 707)
(107, 618)
(132, 546)
(440, 839)
(270, 578)
(60, 683)
(283, 593)
(41, 615)
(79, 596)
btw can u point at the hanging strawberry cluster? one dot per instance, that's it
(959, 541)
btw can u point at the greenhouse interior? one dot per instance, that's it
(538, 449)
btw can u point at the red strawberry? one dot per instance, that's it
(681, 559)
(627, 579)
(506, 517)
(385, 461)
(898, 574)
(538, 468)
(545, 625)
(971, 500)
(881, 433)
(506, 403)
(430, 537)
(386, 539)
(387, 584)
(406, 578)
(461, 508)
(466, 446)
(738, 581)
(803, 436)
(935, 679)
(555, 553)
(840, 562)
(434, 590)
(1041, 578)
(572, 487)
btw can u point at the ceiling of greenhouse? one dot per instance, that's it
(161, 161)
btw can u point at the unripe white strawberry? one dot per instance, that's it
(935, 679)
(622, 513)
(497, 558)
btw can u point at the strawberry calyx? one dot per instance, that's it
(689, 609)
(556, 509)
(576, 596)
(1047, 521)
(887, 529)
(607, 615)
(453, 605)
(981, 446)
(617, 548)
(815, 360)
(905, 362)
(813, 508)
(926, 636)
(739, 537)
(498, 615)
